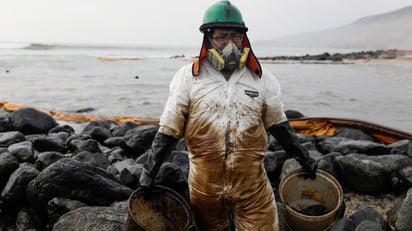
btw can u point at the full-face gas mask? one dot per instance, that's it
(229, 58)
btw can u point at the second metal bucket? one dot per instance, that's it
(300, 195)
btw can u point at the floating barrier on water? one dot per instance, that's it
(82, 118)
(318, 126)
(311, 126)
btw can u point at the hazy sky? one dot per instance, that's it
(170, 22)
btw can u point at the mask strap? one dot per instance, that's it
(244, 57)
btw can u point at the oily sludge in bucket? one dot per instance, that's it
(162, 209)
(310, 205)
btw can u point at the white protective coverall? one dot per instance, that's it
(224, 124)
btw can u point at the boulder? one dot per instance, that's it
(346, 146)
(369, 214)
(31, 121)
(92, 219)
(59, 206)
(171, 176)
(107, 124)
(27, 219)
(127, 163)
(140, 139)
(116, 154)
(45, 159)
(15, 190)
(353, 134)
(406, 175)
(371, 174)
(126, 178)
(404, 221)
(392, 213)
(402, 147)
(115, 142)
(23, 151)
(100, 134)
(49, 143)
(369, 226)
(181, 159)
(273, 163)
(79, 145)
(121, 130)
(94, 159)
(5, 124)
(343, 224)
(8, 164)
(293, 114)
(11, 137)
(75, 180)
(328, 163)
(62, 128)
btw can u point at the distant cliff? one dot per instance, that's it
(392, 30)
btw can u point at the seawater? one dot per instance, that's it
(71, 78)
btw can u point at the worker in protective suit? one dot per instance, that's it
(223, 105)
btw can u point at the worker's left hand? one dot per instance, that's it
(310, 166)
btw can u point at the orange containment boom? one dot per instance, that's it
(318, 126)
(311, 126)
(82, 118)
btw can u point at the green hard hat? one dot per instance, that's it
(223, 15)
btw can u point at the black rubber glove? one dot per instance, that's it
(289, 141)
(162, 146)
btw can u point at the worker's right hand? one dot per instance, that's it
(145, 179)
(162, 146)
(146, 184)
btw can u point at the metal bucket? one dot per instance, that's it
(161, 210)
(311, 205)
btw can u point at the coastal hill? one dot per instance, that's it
(391, 30)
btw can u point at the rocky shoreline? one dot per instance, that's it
(53, 178)
(343, 58)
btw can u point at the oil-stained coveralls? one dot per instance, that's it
(225, 123)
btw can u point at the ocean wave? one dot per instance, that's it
(49, 46)
(111, 59)
(104, 52)
(39, 46)
(26, 46)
